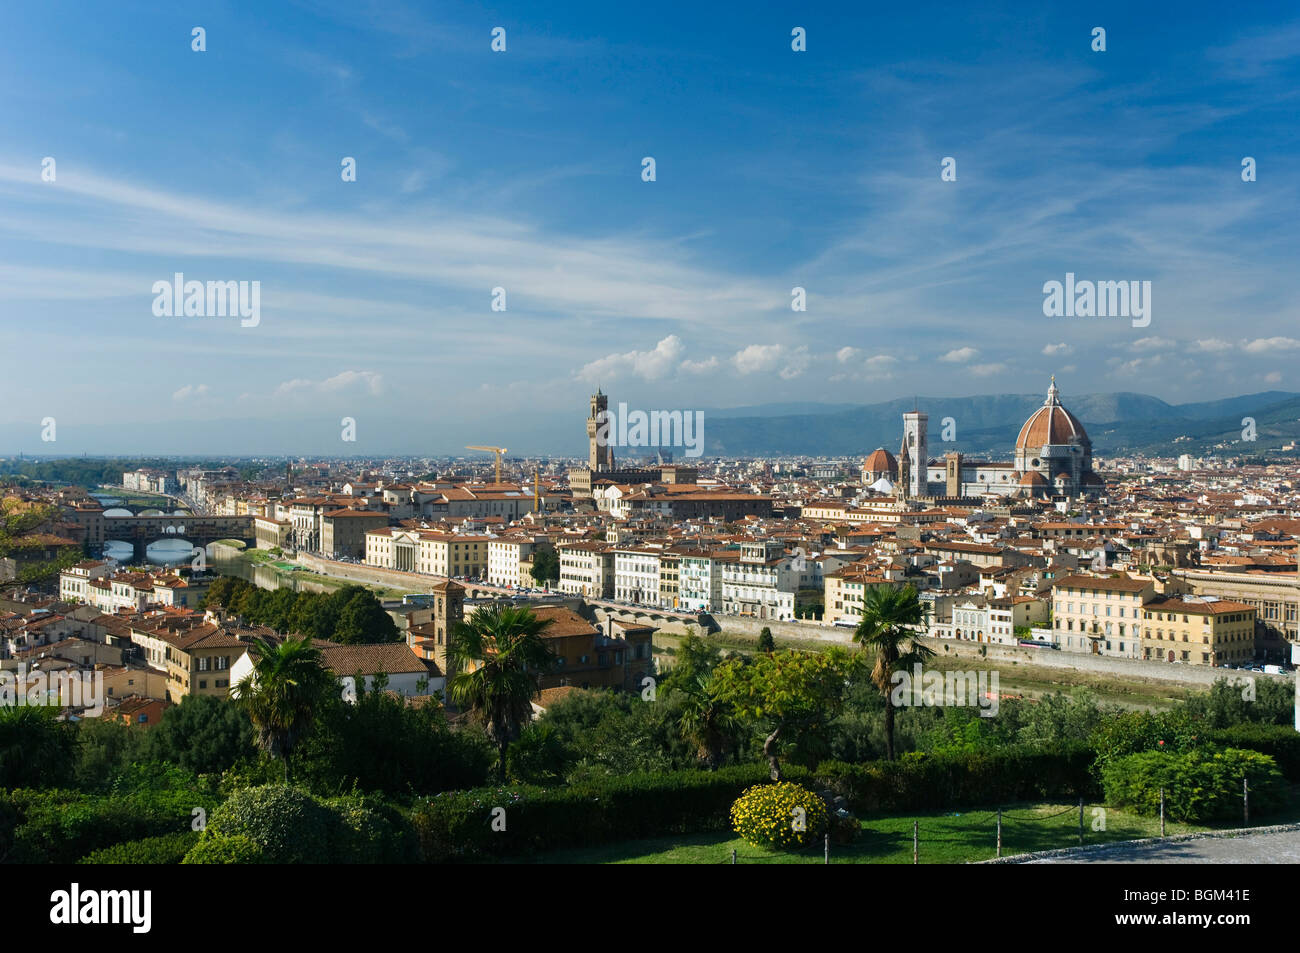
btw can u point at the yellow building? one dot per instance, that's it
(845, 590)
(1197, 631)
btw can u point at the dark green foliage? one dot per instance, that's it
(164, 849)
(36, 750)
(765, 641)
(277, 824)
(1228, 703)
(351, 614)
(288, 824)
(1279, 742)
(1199, 785)
(373, 832)
(1135, 731)
(382, 744)
(60, 826)
(920, 781)
(203, 734)
(458, 825)
(596, 733)
(105, 746)
(231, 849)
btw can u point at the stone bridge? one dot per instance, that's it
(140, 531)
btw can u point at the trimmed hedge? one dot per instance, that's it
(1198, 785)
(918, 781)
(167, 849)
(458, 825)
(1279, 742)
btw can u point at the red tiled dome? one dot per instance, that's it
(1034, 478)
(880, 461)
(1050, 424)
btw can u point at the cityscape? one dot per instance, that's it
(517, 451)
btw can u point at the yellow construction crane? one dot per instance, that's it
(498, 451)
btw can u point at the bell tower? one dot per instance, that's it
(600, 452)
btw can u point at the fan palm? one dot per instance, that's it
(283, 693)
(706, 719)
(891, 617)
(499, 656)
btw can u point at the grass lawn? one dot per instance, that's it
(946, 838)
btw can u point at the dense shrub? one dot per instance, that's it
(459, 824)
(930, 781)
(230, 849)
(62, 826)
(1280, 742)
(165, 849)
(289, 825)
(1198, 785)
(1135, 731)
(372, 832)
(781, 816)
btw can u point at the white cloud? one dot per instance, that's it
(345, 381)
(1151, 344)
(191, 390)
(757, 358)
(1273, 377)
(796, 364)
(1265, 345)
(700, 367)
(1211, 345)
(764, 358)
(651, 365)
(1052, 350)
(959, 355)
(846, 354)
(987, 370)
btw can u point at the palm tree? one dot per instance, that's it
(890, 618)
(499, 656)
(283, 693)
(706, 719)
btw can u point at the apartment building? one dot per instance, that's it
(587, 569)
(1100, 615)
(510, 559)
(762, 582)
(343, 531)
(1198, 630)
(670, 564)
(700, 579)
(586, 657)
(198, 660)
(1273, 595)
(845, 591)
(636, 574)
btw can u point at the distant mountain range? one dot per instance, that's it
(1117, 423)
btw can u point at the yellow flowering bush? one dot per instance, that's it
(781, 816)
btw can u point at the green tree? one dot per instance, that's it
(706, 719)
(498, 656)
(887, 633)
(36, 749)
(765, 641)
(546, 567)
(793, 695)
(283, 693)
(203, 734)
(363, 621)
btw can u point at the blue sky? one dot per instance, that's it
(522, 169)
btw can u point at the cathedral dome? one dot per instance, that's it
(880, 461)
(1051, 425)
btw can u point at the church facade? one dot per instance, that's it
(1052, 458)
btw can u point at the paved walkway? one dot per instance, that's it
(1276, 845)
